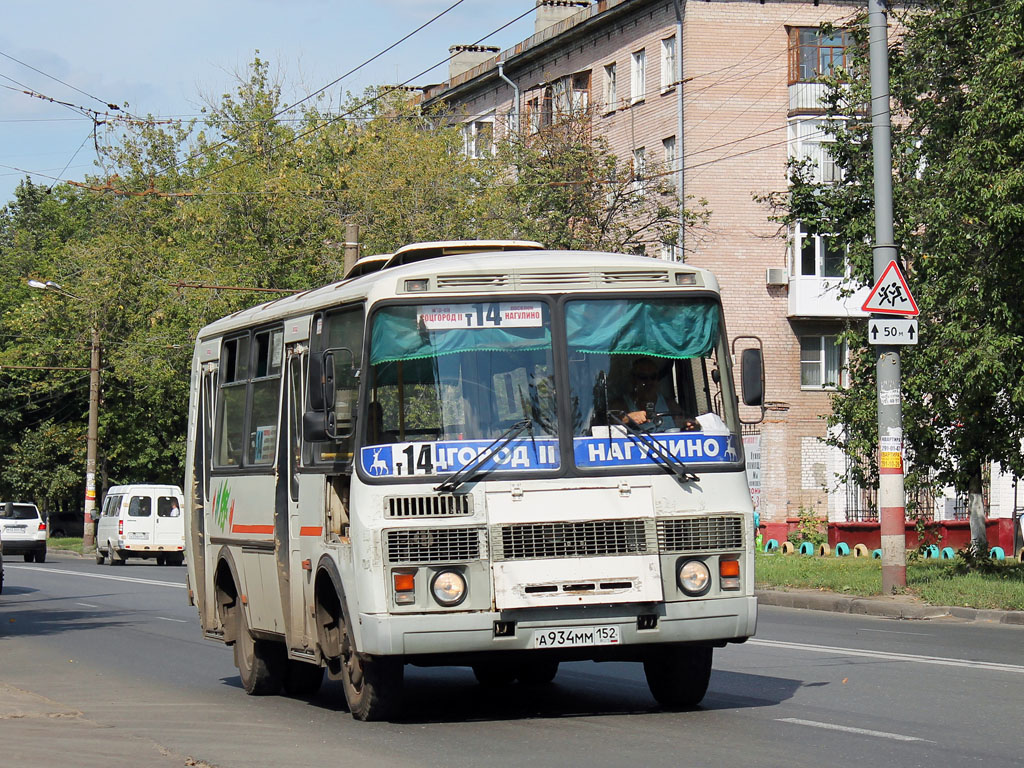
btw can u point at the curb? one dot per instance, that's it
(880, 606)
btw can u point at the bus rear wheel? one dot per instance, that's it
(679, 677)
(260, 663)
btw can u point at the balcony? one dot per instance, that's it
(821, 297)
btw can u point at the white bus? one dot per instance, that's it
(479, 453)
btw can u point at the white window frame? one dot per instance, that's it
(638, 76)
(802, 239)
(668, 63)
(668, 145)
(809, 138)
(611, 96)
(640, 170)
(471, 137)
(824, 361)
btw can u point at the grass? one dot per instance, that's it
(69, 543)
(997, 586)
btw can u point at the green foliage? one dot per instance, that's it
(810, 527)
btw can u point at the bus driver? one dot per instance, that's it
(645, 394)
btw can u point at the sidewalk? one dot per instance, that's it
(894, 607)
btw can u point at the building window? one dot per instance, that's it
(478, 138)
(638, 77)
(533, 114)
(817, 255)
(668, 63)
(639, 170)
(671, 179)
(611, 96)
(813, 55)
(822, 362)
(810, 140)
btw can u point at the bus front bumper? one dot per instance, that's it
(713, 621)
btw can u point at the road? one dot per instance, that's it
(106, 667)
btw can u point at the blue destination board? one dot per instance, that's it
(419, 459)
(687, 447)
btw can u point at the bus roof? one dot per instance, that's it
(532, 270)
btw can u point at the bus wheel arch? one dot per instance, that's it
(372, 684)
(226, 592)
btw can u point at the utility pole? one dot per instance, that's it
(891, 493)
(351, 248)
(88, 539)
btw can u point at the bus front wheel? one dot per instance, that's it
(678, 677)
(372, 684)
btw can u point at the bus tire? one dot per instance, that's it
(260, 663)
(537, 672)
(678, 677)
(302, 678)
(372, 684)
(494, 674)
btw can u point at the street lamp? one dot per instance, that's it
(88, 540)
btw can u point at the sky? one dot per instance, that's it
(168, 59)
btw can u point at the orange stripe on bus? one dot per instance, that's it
(311, 530)
(252, 529)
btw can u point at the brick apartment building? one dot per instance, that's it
(721, 93)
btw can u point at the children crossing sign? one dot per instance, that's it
(891, 296)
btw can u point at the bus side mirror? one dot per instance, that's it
(752, 372)
(314, 426)
(315, 394)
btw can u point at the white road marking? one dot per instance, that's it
(164, 618)
(885, 656)
(849, 729)
(98, 576)
(88, 605)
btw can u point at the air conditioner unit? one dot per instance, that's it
(776, 276)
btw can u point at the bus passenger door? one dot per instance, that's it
(299, 499)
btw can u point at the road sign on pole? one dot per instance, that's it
(891, 296)
(885, 331)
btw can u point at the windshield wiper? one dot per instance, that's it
(655, 449)
(460, 476)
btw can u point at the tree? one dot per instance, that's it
(564, 187)
(957, 80)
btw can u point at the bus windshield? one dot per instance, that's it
(460, 372)
(648, 365)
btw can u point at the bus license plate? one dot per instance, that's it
(570, 637)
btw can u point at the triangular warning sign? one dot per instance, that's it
(891, 296)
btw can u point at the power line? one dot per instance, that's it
(324, 88)
(107, 104)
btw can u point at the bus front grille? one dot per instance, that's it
(433, 545)
(589, 538)
(407, 507)
(700, 534)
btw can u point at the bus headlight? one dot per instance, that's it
(694, 578)
(448, 588)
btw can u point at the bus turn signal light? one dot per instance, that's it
(729, 572)
(405, 586)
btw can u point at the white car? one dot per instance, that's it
(22, 531)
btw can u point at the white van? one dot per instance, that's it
(141, 521)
